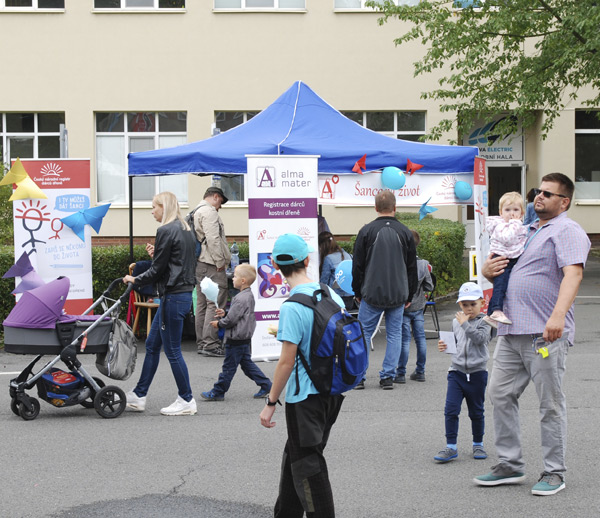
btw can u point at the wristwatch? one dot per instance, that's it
(272, 403)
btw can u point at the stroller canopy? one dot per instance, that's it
(41, 307)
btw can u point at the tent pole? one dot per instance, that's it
(130, 219)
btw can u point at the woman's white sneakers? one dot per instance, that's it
(136, 403)
(180, 407)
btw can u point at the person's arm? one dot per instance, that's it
(160, 260)
(478, 334)
(234, 315)
(326, 273)
(358, 263)
(569, 286)
(284, 369)
(411, 267)
(493, 266)
(210, 221)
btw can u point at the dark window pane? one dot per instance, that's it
(51, 4)
(100, 4)
(355, 116)
(140, 122)
(48, 147)
(249, 115)
(50, 122)
(411, 121)
(172, 121)
(109, 122)
(587, 158)
(228, 120)
(412, 138)
(18, 3)
(171, 4)
(19, 122)
(380, 121)
(0, 127)
(21, 147)
(587, 120)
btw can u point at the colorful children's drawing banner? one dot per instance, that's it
(53, 248)
(482, 238)
(361, 189)
(282, 198)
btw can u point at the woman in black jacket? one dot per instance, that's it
(172, 271)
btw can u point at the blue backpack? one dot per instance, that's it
(338, 349)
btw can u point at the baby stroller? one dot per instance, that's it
(37, 325)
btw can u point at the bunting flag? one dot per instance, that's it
(424, 210)
(360, 165)
(92, 216)
(411, 167)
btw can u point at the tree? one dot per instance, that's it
(6, 211)
(517, 57)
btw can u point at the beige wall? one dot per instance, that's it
(200, 61)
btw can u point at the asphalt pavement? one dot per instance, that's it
(221, 463)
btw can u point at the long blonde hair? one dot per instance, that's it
(168, 201)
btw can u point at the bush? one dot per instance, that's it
(442, 244)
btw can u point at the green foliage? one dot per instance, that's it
(513, 57)
(6, 211)
(442, 244)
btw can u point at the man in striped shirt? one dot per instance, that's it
(539, 301)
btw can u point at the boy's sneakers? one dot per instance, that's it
(549, 484)
(211, 396)
(490, 322)
(135, 402)
(216, 352)
(360, 385)
(401, 378)
(446, 455)
(262, 393)
(499, 475)
(417, 376)
(386, 383)
(180, 407)
(479, 452)
(499, 316)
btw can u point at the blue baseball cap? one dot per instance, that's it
(291, 245)
(469, 291)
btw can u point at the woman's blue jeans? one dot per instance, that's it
(416, 321)
(176, 307)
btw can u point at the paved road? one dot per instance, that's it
(222, 463)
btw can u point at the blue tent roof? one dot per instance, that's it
(301, 123)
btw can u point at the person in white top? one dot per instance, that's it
(507, 239)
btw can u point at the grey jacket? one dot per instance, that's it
(472, 339)
(425, 284)
(239, 323)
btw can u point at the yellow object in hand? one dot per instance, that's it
(543, 351)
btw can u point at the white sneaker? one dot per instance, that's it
(180, 407)
(135, 402)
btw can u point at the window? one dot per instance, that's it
(118, 134)
(260, 4)
(587, 155)
(32, 4)
(360, 4)
(232, 185)
(401, 125)
(139, 4)
(30, 135)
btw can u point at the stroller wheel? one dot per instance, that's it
(110, 402)
(29, 415)
(89, 403)
(14, 406)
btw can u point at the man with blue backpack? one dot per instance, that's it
(323, 354)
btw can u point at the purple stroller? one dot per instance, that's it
(38, 325)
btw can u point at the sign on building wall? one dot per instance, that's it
(282, 198)
(54, 249)
(482, 238)
(493, 147)
(361, 189)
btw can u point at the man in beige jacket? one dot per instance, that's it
(212, 263)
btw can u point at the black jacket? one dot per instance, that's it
(385, 274)
(173, 268)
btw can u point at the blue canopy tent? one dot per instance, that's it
(301, 123)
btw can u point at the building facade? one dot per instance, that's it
(132, 75)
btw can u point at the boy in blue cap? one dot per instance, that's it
(304, 484)
(467, 375)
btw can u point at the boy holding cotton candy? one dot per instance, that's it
(239, 325)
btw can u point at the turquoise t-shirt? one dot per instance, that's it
(295, 326)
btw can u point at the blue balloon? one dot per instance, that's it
(393, 178)
(463, 190)
(343, 276)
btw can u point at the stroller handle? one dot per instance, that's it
(114, 284)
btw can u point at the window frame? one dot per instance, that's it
(33, 8)
(275, 8)
(583, 131)
(5, 135)
(127, 137)
(124, 9)
(395, 132)
(364, 8)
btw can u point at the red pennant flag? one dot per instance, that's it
(360, 165)
(411, 167)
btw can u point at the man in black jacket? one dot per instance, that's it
(384, 279)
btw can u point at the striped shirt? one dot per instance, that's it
(535, 280)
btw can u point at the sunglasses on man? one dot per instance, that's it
(547, 194)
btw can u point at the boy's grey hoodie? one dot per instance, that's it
(239, 323)
(472, 339)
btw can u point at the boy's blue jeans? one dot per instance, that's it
(471, 388)
(176, 307)
(239, 355)
(414, 320)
